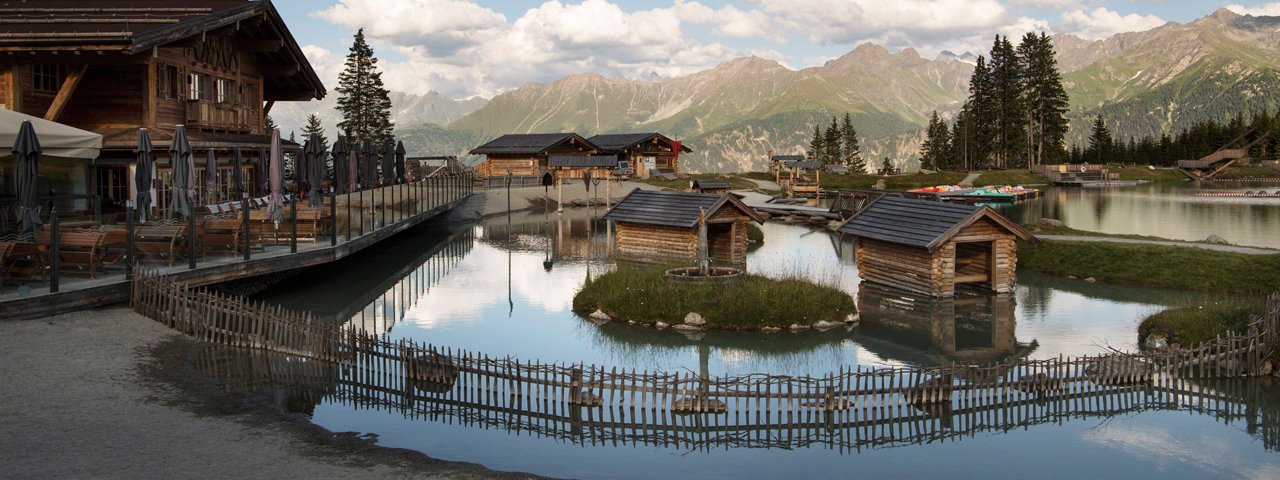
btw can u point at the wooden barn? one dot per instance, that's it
(715, 186)
(930, 247)
(662, 227)
(645, 153)
(528, 155)
(215, 66)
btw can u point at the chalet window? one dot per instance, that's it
(167, 81)
(46, 78)
(196, 85)
(226, 90)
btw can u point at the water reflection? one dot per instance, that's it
(972, 327)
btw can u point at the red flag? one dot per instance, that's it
(676, 145)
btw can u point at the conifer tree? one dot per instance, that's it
(851, 152)
(886, 167)
(268, 125)
(816, 145)
(363, 100)
(1099, 142)
(313, 126)
(1006, 98)
(936, 146)
(1045, 100)
(831, 142)
(980, 114)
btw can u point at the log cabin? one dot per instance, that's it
(528, 155)
(644, 153)
(930, 247)
(662, 227)
(215, 66)
(715, 186)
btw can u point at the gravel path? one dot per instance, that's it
(766, 184)
(968, 180)
(77, 401)
(1208, 246)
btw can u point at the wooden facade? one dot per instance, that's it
(215, 66)
(930, 247)
(643, 151)
(662, 227)
(528, 155)
(716, 186)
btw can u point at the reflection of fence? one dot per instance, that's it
(855, 404)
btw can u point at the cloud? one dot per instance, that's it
(326, 63)
(730, 21)
(1102, 23)
(1264, 10)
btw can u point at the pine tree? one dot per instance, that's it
(816, 145)
(1045, 100)
(363, 100)
(980, 115)
(313, 126)
(268, 125)
(851, 152)
(936, 144)
(1099, 142)
(1006, 98)
(831, 141)
(886, 168)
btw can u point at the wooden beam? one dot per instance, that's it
(64, 94)
(260, 46)
(266, 109)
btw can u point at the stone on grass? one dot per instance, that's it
(680, 327)
(693, 318)
(1156, 342)
(770, 329)
(599, 316)
(1090, 279)
(660, 325)
(1216, 240)
(825, 325)
(852, 319)
(1051, 222)
(796, 327)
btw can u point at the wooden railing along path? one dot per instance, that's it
(410, 376)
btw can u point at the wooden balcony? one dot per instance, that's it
(210, 115)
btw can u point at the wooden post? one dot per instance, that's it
(559, 194)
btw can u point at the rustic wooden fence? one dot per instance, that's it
(867, 403)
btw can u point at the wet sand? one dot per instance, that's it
(107, 394)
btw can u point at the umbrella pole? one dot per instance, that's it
(55, 260)
(191, 238)
(244, 208)
(333, 218)
(128, 241)
(293, 226)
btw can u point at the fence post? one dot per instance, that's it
(191, 239)
(293, 225)
(55, 262)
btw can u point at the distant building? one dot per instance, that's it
(662, 227)
(715, 186)
(643, 153)
(215, 66)
(529, 154)
(930, 247)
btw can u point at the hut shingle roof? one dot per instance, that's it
(582, 161)
(920, 223)
(711, 183)
(528, 143)
(617, 142)
(672, 209)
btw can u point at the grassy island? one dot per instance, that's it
(1192, 324)
(1158, 266)
(642, 294)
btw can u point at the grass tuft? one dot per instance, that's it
(1181, 268)
(1191, 324)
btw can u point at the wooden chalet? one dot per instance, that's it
(716, 186)
(529, 154)
(215, 66)
(644, 153)
(662, 227)
(791, 172)
(930, 247)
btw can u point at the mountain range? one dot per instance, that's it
(735, 114)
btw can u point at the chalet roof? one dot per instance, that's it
(134, 27)
(711, 183)
(786, 158)
(672, 209)
(582, 161)
(616, 143)
(921, 223)
(529, 143)
(802, 164)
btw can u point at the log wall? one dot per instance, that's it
(654, 244)
(983, 248)
(908, 268)
(109, 96)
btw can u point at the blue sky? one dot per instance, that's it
(463, 48)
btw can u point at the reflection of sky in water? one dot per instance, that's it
(466, 305)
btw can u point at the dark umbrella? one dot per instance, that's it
(275, 207)
(142, 176)
(237, 175)
(264, 172)
(340, 160)
(26, 152)
(211, 178)
(314, 155)
(388, 163)
(370, 163)
(400, 151)
(300, 167)
(184, 173)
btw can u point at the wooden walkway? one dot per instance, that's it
(367, 368)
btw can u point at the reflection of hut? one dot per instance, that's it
(527, 155)
(717, 186)
(645, 153)
(975, 329)
(930, 247)
(658, 227)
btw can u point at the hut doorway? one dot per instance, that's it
(720, 244)
(973, 263)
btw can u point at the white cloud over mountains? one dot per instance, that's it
(462, 48)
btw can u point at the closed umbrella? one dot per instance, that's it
(142, 174)
(300, 168)
(184, 174)
(210, 178)
(275, 206)
(400, 151)
(314, 155)
(264, 172)
(26, 152)
(340, 161)
(237, 173)
(370, 163)
(388, 162)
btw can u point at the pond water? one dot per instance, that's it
(505, 287)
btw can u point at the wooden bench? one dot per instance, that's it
(222, 234)
(163, 241)
(82, 250)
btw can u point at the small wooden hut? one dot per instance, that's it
(662, 227)
(528, 155)
(792, 173)
(930, 247)
(646, 154)
(716, 186)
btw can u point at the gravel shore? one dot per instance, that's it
(105, 394)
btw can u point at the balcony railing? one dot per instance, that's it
(208, 114)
